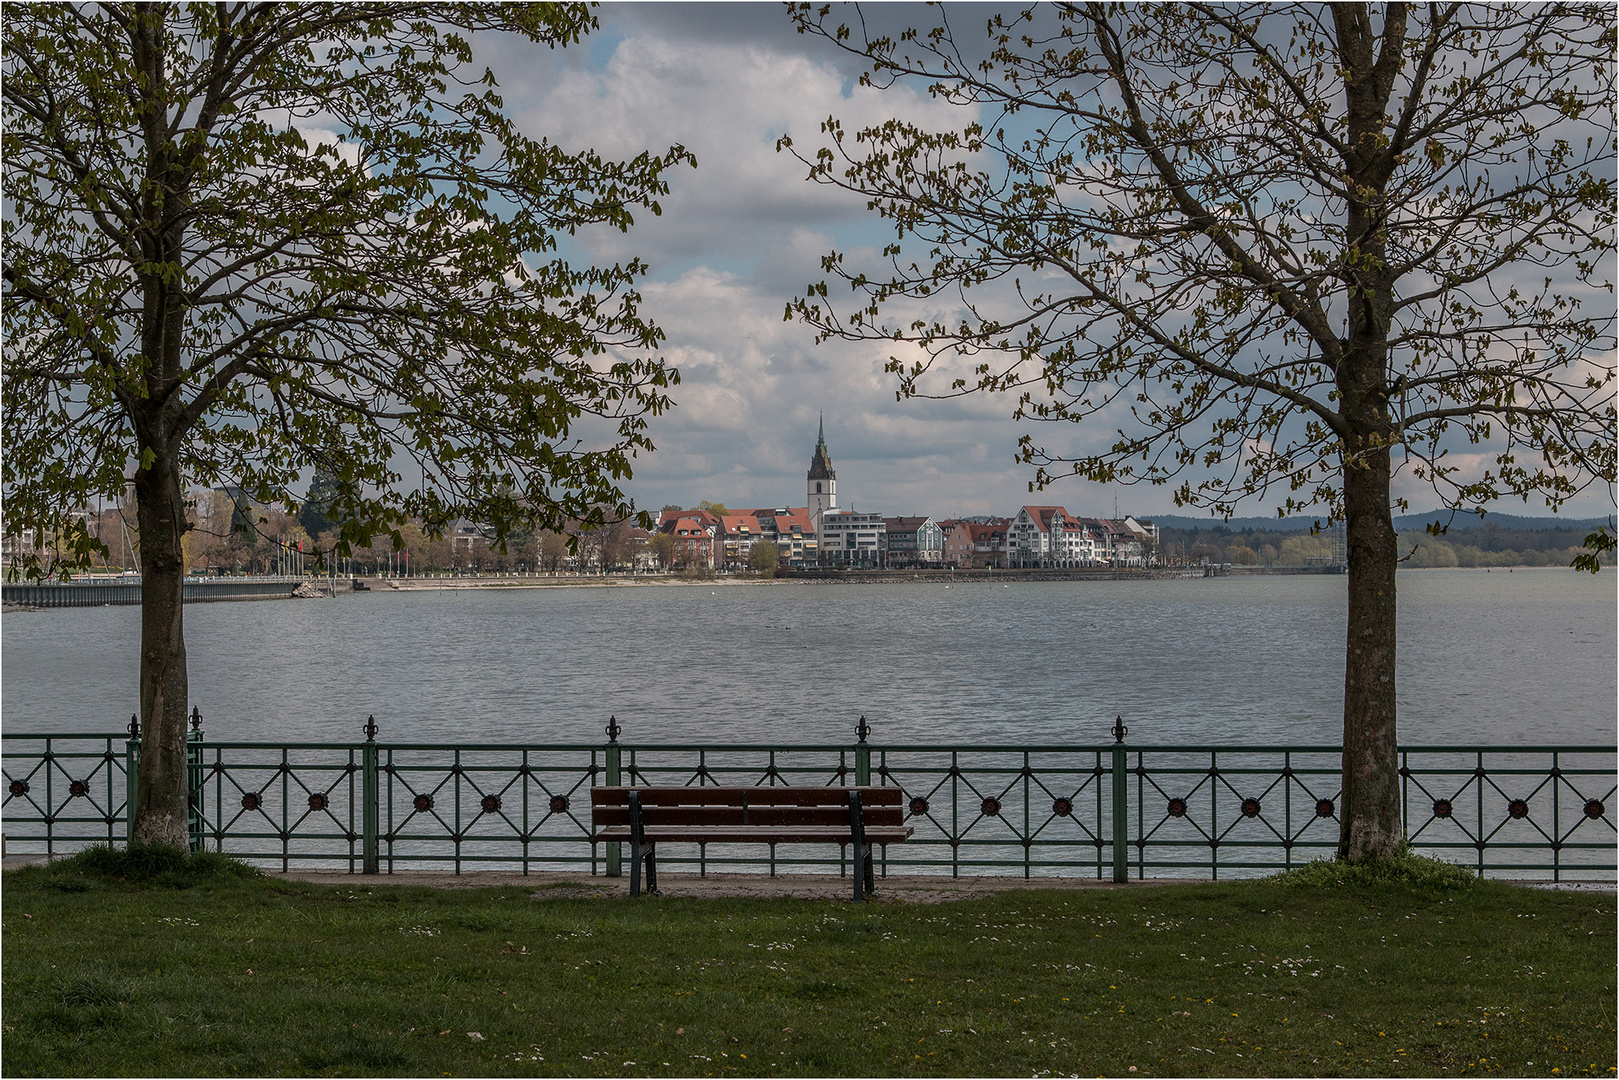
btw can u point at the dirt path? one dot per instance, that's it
(907, 888)
(914, 889)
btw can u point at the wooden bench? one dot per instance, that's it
(645, 816)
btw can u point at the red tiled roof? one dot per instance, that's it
(690, 526)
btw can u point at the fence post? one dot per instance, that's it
(615, 778)
(862, 754)
(1121, 806)
(195, 785)
(369, 860)
(132, 783)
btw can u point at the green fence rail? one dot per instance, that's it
(1113, 811)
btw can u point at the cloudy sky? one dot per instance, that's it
(740, 236)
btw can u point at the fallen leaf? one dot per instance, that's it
(474, 1036)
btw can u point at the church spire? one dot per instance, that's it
(821, 490)
(821, 463)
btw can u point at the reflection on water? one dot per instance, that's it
(1519, 658)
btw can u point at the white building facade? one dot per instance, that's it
(1050, 537)
(848, 539)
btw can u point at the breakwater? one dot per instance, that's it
(102, 592)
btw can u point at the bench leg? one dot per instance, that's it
(863, 880)
(871, 879)
(648, 853)
(652, 869)
(859, 848)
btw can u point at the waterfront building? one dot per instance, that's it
(1133, 541)
(470, 537)
(739, 532)
(1051, 537)
(1125, 541)
(848, 539)
(911, 542)
(697, 542)
(976, 544)
(19, 546)
(16, 547)
(789, 528)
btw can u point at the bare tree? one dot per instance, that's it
(553, 549)
(661, 546)
(613, 543)
(1260, 248)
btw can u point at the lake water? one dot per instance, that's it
(1500, 658)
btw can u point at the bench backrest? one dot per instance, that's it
(765, 806)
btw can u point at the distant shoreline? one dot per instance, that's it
(497, 582)
(566, 582)
(826, 577)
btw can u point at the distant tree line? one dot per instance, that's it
(1486, 545)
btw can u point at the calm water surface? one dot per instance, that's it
(1501, 658)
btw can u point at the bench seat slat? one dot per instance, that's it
(707, 816)
(755, 796)
(781, 834)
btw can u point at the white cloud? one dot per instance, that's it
(727, 102)
(752, 392)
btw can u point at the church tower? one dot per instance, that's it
(822, 491)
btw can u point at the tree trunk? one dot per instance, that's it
(163, 795)
(1370, 814)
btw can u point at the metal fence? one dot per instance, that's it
(1111, 811)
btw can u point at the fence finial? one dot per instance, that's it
(370, 729)
(862, 729)
(196, 718)
(134, 726)
(613, 730)
(1119, 730)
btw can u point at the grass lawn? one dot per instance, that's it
(249, 975)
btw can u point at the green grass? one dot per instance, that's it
(207, 971)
